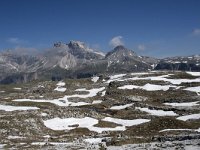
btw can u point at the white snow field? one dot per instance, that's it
(64, 101)
(15, 108)
(88, 122)
(188, 104)
(157, 112)
(189, 117)
(148, 87)
(121, 107)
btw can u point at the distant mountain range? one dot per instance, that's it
(77, 60)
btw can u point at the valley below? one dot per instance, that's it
(143, 110)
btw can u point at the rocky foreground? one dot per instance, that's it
(148, 110)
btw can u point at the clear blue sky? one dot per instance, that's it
(157, 28)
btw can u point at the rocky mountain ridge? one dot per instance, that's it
(75, 60)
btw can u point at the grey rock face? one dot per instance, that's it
(76, 59)
(189, 63)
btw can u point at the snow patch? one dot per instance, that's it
(60, 89)
(16, 88)
(193, 89)
(165, 130)
(157, 112)
(194, 73)
(147, 87)
(64, 101)
(95, 79)
(61, 83)
(189, 104)
(126, 122)
(15, 108)
(121, 107)
(93, 140)
(72, 123)
(189, 117)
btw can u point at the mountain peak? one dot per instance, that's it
(119, 47)
(77, 44)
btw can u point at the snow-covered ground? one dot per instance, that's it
(193, 89)
(86, 122)
(148, 87)
(140, 73)
(164, 78)
(93, 140)
(125, 122)
(116, 77)
(95, 79)
(157, 112)
(165, 130)
(64, 101)
(15, 137)
(60, 87)
(189, 117)
(15, 108)
(52, 143)
(194, 73)
(121, 106)
(16, 88)
(97, 102)
(61, 83)
(189, 104)
(103, 93)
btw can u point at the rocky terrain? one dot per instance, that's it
(139, 110)
(77, 60)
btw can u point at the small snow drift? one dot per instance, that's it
(193, 89)
(95, 79)
(157, 112)
(86, 122)
(165, 130)
(147, 87)
(63, 124)
(61, 83)
(126, 122)
(60, 87)
(15, 108)
(194, 73)
(121, 107)
(189, 104)
(64, 101)
(189, 117)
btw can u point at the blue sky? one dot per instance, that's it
(157, 28)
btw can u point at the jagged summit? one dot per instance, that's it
(120, 52)
(120, 47)
(77, 59)
(77, 44)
